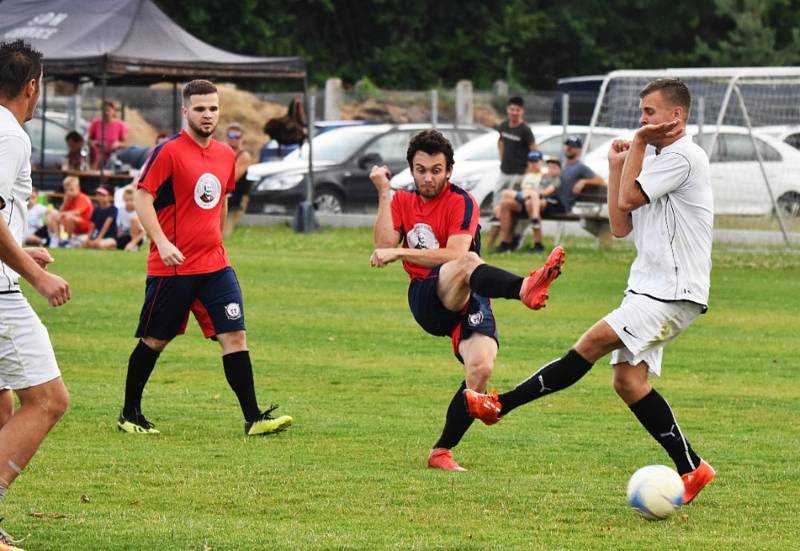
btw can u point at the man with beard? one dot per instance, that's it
(181, 201)
(450, 285)
(574, 177)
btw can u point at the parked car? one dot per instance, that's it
(273, 151)
(785, 133)
(342, 160)
(736, 177)
(477, 164)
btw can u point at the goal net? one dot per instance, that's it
(748, 121)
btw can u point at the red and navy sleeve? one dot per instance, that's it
(157, 170)
(464, 213)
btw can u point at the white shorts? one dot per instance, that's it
(26, 355)
(645, 325)
(505, 181)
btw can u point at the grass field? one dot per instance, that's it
(333, 342)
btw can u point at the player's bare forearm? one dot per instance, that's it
(15, 256)
(630, 197)
(383, 233)
(146, 212)
(621, 222)
(430, 258)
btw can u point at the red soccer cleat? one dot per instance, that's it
(534, 288)
(442, 458)
(696, 480)
(485, 407)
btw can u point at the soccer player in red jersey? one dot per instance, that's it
(181, 201)
(450, 284)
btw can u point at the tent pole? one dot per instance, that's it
(102, 152)
(174, 107)
(44, 129)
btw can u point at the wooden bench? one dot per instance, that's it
(590, 210)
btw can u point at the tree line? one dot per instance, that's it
(418, 44)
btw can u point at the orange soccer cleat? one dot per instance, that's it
(442, 458)
(485, 407)
(534, 289)
(696, 480)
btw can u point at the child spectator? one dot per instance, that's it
(74, 217)
(104, 223)
(36, 233)
(130, 233)
(76, 156)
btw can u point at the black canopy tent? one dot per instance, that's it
(128, 42)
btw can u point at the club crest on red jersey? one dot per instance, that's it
(421, 236)
(207, 191)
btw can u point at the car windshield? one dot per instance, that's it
(483, 148)
(335, 145)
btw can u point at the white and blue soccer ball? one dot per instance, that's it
(655, 492)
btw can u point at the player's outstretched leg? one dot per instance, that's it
(140, 365)
(492, 282)
(239, 373)
(557, 375)
(456, 424)
(655, 415)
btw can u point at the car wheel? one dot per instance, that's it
(789, 203)
(328, 201)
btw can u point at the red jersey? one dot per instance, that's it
(189, 183)
(80, 203)
(428, 225)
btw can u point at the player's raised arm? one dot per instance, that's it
(620, 220)
(143, 203)
(383, 233)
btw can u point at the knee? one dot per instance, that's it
(155, 344)
(630, 389)
(468, 262)
(53, 403)
(478, 376)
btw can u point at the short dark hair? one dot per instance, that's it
(516, 100)
(198, 87)
(673, 89)
(73, 136)
(19, 63)
(431, 142)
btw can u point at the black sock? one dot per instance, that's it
(555, 376)
(456, 422)
(491, 282)
(239, 373)
(140, 366)
(655, 415)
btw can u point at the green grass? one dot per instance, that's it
(333, 342)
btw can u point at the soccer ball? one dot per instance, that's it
(655, 491)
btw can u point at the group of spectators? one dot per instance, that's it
(81, 223)
(527, 190)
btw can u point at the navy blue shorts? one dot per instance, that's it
(434, 318)
(552, 206)
(215, 299)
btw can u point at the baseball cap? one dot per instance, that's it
(574, 141)
(534, 156)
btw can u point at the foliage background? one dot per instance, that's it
(415, 44)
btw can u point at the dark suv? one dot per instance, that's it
(342, 160)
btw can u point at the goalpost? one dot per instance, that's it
(740, 116)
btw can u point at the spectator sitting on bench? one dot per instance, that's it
(531, 202)
(74, 217)
(513, 201)
(37, 230)
(130, 232)
(104, 223)
(575, 176)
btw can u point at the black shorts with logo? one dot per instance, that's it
(215, 299)
(434, 318)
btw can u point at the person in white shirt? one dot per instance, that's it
(27, 362)
(36, 232)
(666, 202)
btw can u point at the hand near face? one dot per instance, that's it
(618, 151)
(654, 133)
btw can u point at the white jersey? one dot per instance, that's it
(124, 221)
(673, 232)
(15, 186)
